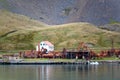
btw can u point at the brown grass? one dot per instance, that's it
(20, 32)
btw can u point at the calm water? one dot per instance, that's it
(60, 72)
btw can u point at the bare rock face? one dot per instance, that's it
(111, 27)
(98, 12)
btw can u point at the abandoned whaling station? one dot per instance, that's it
(45, 49)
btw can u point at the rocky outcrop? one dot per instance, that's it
(111, 27)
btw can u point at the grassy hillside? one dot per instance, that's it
(70, 35)
(20, 32)
(16, 31)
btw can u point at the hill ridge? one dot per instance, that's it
(20, 32)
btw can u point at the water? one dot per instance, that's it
(60, 72)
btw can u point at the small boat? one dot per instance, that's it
(94, 63)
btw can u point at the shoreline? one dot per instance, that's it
(51, 62)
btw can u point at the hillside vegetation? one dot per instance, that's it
(16, 31)
(20, 32)
(70, 35)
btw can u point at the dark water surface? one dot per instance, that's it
(107, 71)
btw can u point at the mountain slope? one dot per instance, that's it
(98, 12)
(20, 32)
(111, 27)
(70, 35)
(19, 28)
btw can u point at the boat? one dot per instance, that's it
(94, 63)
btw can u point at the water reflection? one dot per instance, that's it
(60, 72)
(83, 72)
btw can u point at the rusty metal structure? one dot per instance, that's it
(81, 52)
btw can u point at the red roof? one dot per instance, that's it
(48, 43)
